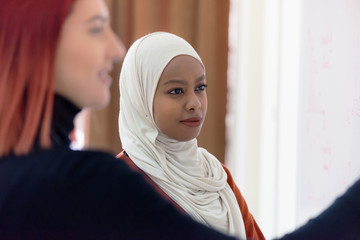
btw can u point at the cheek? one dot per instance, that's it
(204, 104)
(156, 111)
(77, 58)
(70, 64)
(163, 112)
(82, 64)
(160, 115)
(77, 79)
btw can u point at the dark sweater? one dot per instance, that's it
(65, 194)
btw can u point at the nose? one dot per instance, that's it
(193, 102)
(116, 50)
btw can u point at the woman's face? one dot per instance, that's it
(86, 52)
(180, 101)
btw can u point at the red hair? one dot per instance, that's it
(29, 34)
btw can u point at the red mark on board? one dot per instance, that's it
(326, 150)
(326, 39)
(325, 65)
(316, 110)
(326, 168)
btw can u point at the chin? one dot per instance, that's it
(100, 103)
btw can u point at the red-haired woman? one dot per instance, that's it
(55, 56)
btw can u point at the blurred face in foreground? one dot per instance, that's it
(87, 49)
(180, 101)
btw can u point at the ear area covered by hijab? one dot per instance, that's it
(190, 175)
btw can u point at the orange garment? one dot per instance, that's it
(251, 228)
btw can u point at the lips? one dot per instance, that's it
(192, 122)
(105, 78)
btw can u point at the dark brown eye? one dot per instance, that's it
(176, 91)
(201, 87)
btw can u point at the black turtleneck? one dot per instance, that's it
(64, 113)
(62, 123)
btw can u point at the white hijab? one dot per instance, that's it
(190, 175)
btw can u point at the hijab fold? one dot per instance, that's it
(190, 175)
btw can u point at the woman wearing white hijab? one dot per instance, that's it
(162, 107)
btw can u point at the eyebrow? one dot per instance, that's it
(183, 82)
(97, 18)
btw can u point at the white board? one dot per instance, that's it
(329, 115)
